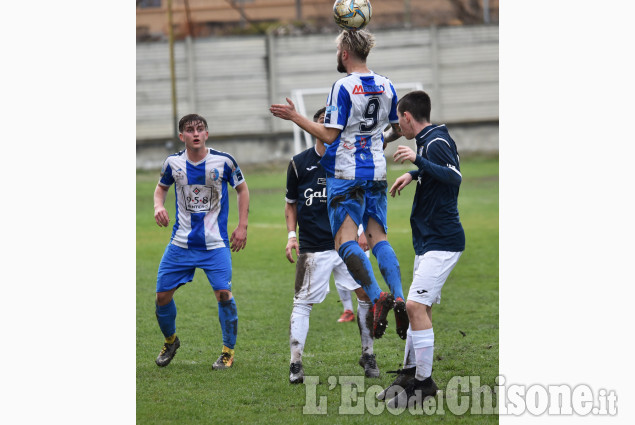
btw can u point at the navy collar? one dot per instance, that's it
(423, 133)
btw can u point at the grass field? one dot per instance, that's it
(256, 389)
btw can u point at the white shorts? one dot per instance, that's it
(313, 273)
(431, 270)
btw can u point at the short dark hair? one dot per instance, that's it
(318, 113)
(191, 118)
(417, 103)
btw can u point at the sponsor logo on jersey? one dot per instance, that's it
(368, 89)
(309, 194)
(321, 180)
(363, 141)
(312, 167)
(331, 108)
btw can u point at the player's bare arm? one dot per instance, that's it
(392, 134)
(160, 213)
(291, 217)
(238, 238)
(288, 112)
(400, 183)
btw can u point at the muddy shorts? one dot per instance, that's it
(360, 199)
(313, 273)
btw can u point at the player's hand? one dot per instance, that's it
(161, 216)
(400, 183)
(238, 239)
(291, 245)
(283, 111)
(404, 153)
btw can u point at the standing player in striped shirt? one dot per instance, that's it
(199, 236)
(360, 106)
(437, 236)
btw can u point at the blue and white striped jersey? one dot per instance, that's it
(361, 105)
(202, 204)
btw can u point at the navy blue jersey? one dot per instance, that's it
(435, 216)
(306, 185)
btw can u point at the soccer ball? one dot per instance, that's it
(352, 14)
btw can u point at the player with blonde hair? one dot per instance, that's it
(358, 109)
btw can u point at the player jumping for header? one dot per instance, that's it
(359, 107)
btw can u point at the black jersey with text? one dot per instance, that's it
(435, 216)
(306, 186)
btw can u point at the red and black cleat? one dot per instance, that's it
(377, 322)
(401, 318)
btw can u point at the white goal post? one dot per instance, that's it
(299, 95)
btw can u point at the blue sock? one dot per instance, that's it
(359, 267)
(166, 316)
(389, 267)
(228, 318)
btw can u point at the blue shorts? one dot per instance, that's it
(360, 199)
(178, 265)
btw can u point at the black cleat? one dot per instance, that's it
(296, 373)
(415, 392)
(168, 352)
(404, 376)
(368, 362)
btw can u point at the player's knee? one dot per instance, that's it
(164, 298)
(223, 295)
(414, 308)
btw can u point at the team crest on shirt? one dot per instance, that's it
(214, 174)
(179, 176)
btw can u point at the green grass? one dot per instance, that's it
(256, 389)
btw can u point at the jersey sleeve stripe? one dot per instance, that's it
(219, 153)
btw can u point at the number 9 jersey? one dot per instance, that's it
(361, 105)
(202, 204)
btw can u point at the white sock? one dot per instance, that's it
(409, 359)
(345, 297)
(298, 330)
(423, 343)
(367, 339)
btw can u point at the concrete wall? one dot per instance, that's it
(233, 80)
